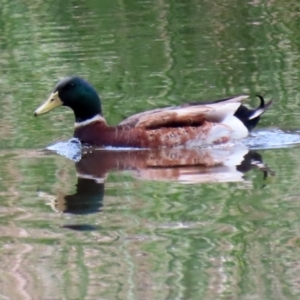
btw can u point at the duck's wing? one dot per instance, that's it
(134, 119)
(189, 114)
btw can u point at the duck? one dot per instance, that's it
(187, 125)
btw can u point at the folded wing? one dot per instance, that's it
(190, 114)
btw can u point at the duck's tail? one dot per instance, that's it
(250, 117)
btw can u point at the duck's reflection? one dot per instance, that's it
(87, 199)
(177, 165)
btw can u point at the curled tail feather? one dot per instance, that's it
(261, 109)
(250, 117)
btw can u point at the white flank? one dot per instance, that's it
(89, 121)
(217, 132)
(222, 111)
(238, 129)
(231, 127)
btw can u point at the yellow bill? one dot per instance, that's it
(52, 102)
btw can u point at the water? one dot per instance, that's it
(144, 224)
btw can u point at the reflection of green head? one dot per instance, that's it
(88, 198)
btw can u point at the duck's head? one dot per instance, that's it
(77, 94)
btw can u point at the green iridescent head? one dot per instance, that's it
(77, 94)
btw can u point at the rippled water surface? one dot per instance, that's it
(110, 224)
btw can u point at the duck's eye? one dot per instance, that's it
(52, 100)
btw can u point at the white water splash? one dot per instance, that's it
(270, 139)
(70, 149)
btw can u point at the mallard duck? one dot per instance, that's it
(190, 124)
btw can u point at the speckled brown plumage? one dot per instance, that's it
(99, 134)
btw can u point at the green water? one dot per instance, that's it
(139, 234)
